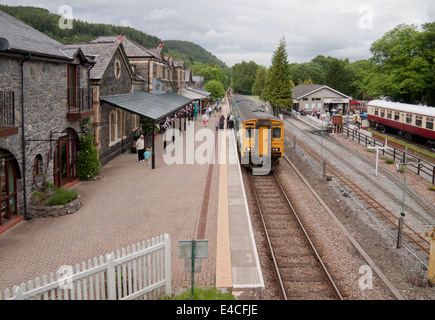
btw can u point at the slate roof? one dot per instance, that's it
(132, 48)
(151, 106)
(192, 94)
(102, 52)
(23, 39)
(303, 90)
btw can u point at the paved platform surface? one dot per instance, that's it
(133, 203)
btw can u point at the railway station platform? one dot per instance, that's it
(134, 203)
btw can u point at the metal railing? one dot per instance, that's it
(417, 165)
(78, 100)
(7, 108)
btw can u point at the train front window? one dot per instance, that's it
(276, 132)
(429, 123)
(249, 132)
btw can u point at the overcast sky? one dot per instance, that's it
(245, 30)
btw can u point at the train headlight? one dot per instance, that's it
(275, 149)
(249, 149)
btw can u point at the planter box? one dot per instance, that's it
(39, 211)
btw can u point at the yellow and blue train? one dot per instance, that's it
(261, 135)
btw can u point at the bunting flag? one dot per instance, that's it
(160, 45)
(119, 38)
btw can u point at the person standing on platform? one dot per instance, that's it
(231, 121)
(228, 120)
(140, 145)
(147, 155)
(221, 122)
(204, 119)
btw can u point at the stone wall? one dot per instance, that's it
(45, 109)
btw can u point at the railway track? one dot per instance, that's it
(415, 237)
(299, 269)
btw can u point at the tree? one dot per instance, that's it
(403, 63)
(243, 76)
(307, 71)
(216, 88)
(278, 89)
(260, 81)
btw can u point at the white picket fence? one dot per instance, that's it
(140, 272)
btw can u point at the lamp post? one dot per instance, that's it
(402, 214)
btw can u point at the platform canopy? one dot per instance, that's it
(152, 106)
(195, 94)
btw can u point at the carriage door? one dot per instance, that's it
(65, 159)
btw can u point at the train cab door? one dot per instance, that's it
(262, 154)
(264, 140)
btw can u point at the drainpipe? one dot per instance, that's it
(23, 142)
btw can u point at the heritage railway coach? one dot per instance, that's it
(417, 120)
(261, 135)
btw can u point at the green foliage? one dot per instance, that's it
(243, 76)
(307, 71)
(210, 72)
(278, 83)
(431, 188)
(61, 196)
(191, 53)
(202, 294)
(403, 64)
(37, 196)
(88, 163)
(216, 88)
(260, 81)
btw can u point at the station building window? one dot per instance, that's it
(38, 169)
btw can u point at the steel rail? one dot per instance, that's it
(269, 243)
(364, 195)
(306, 236)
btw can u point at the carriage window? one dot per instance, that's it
(376, 111)
(249, 132)
(409, 118)
(429, 123)
(382, 113)
(389, 114)
(396, 116)
(276, 132)
(418, 121)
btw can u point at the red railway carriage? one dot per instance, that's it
(414, 119)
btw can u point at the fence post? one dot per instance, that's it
(18, 293)
(168, 264)
(110, 281)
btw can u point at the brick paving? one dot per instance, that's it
(130, 204)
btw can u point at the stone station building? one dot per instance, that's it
(44, 92)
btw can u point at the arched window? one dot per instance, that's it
(38, 169)
(119, 123)
(8, 187)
